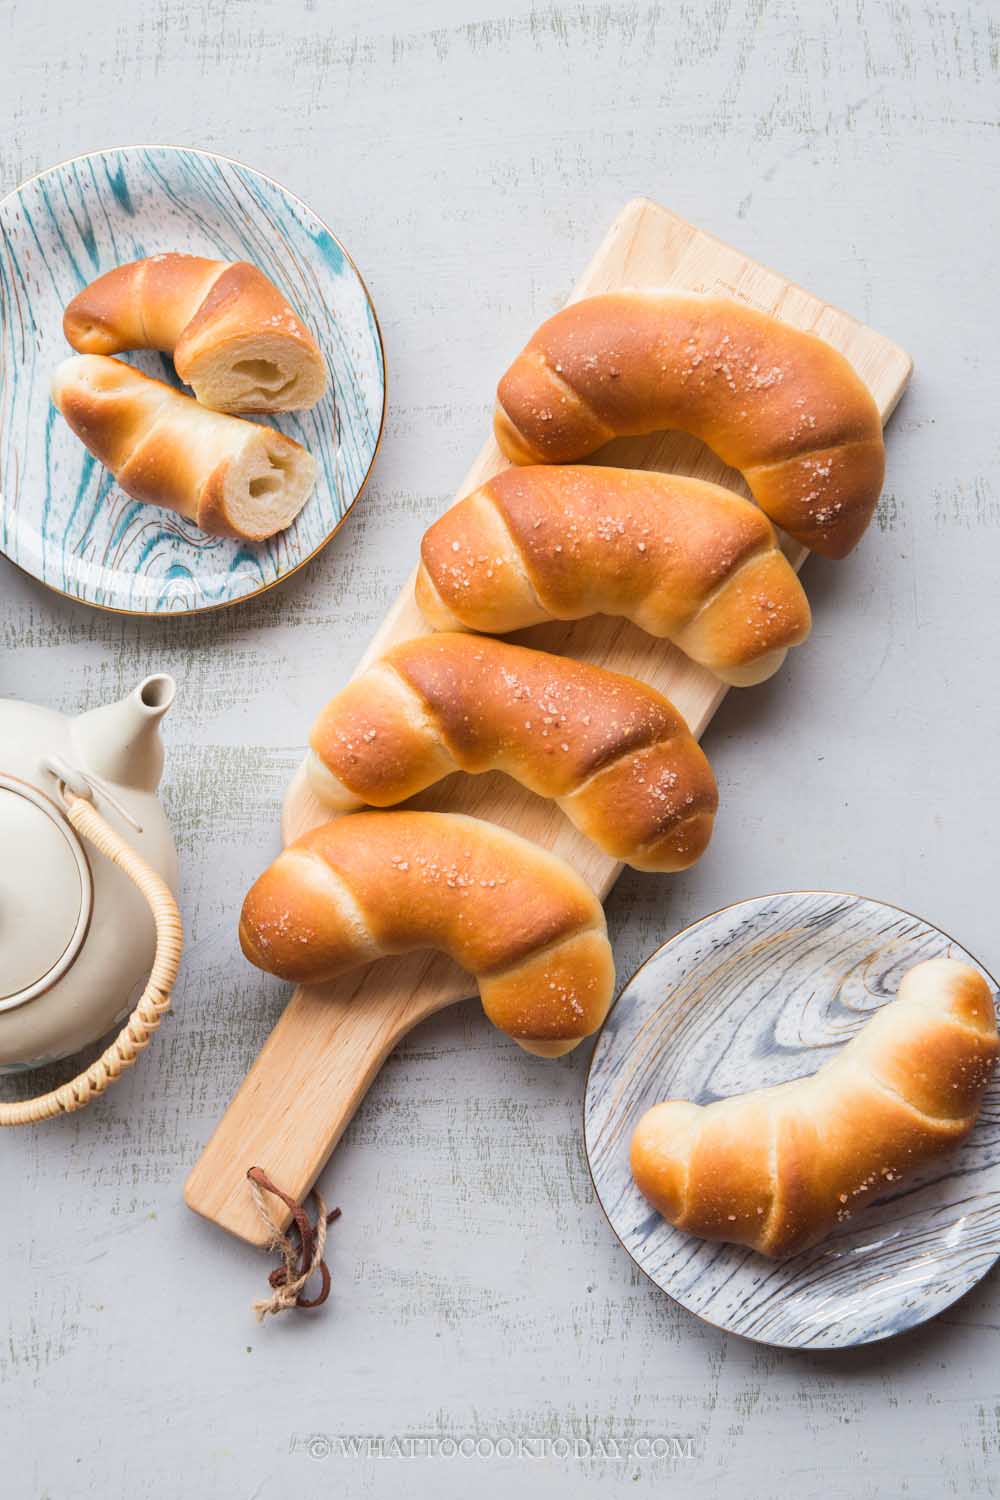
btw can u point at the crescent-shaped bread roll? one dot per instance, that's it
(518, 918)
(616, 755)
(780, 405)
(779, 1168)
(680, 558)
(234, 338)
(232, 478)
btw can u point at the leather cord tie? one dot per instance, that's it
(302, 1254)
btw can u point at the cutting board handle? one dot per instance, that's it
(308, 1079)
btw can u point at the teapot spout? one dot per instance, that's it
(121, 741)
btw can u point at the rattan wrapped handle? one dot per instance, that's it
(155, 999)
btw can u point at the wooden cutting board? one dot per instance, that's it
(331, 1040)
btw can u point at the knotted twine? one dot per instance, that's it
(300, 1261)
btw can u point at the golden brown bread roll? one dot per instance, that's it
(779, 1168)
(780, 405)
(233, 336)
(518, 918)
(616, 755)
(680, 558)
(232, 478)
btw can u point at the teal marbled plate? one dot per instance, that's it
(64, 520)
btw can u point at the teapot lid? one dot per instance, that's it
(45, 892)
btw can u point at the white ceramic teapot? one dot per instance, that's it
(77, 934)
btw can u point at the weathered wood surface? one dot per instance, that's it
(470, 154)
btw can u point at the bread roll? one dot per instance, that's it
(682, 559)
(779, 1168)
(616, 755)
(518, 918)
(232, 478)
(780, 405)
(234, 338)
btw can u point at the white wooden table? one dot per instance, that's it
(470, 155)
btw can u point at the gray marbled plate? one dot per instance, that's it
(758, 994)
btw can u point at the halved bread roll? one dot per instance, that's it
(234, 338)
(232, 478)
